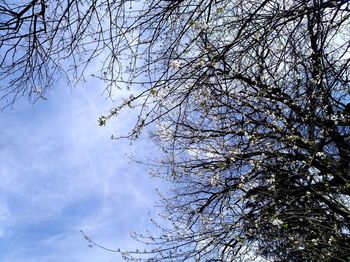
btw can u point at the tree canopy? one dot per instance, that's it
(249, 101)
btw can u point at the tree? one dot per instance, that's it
(42, 42)
(248, 100)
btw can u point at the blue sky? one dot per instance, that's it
(61, 173)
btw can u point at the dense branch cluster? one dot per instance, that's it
(248, 99)
(44, 41)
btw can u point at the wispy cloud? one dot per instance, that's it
(61, 173)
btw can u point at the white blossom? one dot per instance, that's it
(215, 179)
(201, 25)
(313, 170)
(175, 64)
(321, 155)
(314, 241)
(277, 222)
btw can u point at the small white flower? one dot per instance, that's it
(175, 64)
(277, 222)
(201, 25)
(334, 117)
(37, 90)
(201, 63)
(330, 177)
(314, 171)
(113, 111)
(321, 155)
(214, 180)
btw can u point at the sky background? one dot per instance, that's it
(61, 173)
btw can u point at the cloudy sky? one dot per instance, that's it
(61, 173)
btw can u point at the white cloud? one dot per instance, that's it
(62, 173)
